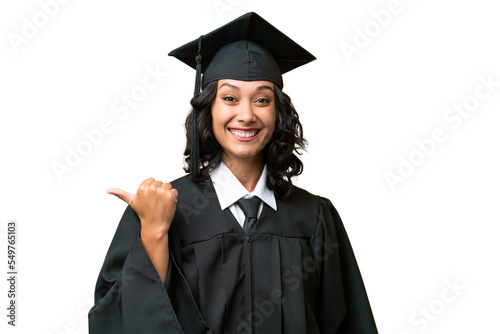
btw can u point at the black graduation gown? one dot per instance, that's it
(295, 273)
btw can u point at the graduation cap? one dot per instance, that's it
(248, 48)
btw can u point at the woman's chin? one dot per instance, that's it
(244, 155)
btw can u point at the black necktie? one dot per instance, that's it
(250, 207)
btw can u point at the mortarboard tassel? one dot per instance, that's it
(195, 155)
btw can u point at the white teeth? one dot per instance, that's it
(243, 134)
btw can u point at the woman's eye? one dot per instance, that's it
(229, 99)
(263, 100)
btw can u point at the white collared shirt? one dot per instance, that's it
(229, 190)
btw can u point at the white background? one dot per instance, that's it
(361, 114)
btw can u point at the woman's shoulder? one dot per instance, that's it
(300, 194)
(188, 189)
(182, 181)
(308, 203)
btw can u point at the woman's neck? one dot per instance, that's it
(247, 171)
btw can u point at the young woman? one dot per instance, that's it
(233, 246)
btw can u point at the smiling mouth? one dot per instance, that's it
(244, 133)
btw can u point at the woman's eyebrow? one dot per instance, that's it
(265, 87)
(229, 85)
(238, 88)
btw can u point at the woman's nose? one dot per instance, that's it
(246, 113)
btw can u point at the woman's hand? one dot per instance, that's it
(154, 203)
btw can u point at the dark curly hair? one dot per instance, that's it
(280, 154)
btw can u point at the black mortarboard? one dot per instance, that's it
(248, 48)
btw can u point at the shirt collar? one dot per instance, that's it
(229, 189)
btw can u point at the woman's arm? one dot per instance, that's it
(156, 245)
(131, 298)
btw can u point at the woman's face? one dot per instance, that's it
(243, 115)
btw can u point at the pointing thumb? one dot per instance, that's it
(122, 194)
